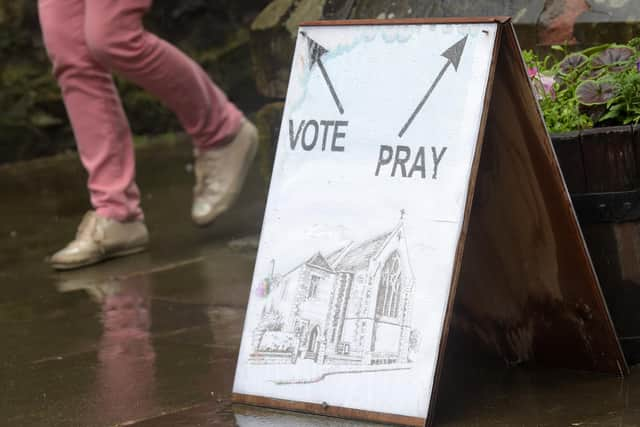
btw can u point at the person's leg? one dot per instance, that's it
(118, 40)
(225, 143)
(103, 139)
(101, 129)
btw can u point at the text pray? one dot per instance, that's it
(401, 161)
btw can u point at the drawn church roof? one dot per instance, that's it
(319, 261)
(354, 257)
(349, 258)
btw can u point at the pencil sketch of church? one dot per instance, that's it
(349, 307)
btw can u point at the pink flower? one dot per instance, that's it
(547, 84)
(542, 84)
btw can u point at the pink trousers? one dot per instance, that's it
(87, 40)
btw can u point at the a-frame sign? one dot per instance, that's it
(414, 186)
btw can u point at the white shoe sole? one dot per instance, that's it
(97, 260)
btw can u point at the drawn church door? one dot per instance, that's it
(312, 346)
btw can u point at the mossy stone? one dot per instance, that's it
(268, 121)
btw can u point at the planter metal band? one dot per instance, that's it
(622, 206)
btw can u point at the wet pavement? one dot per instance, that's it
(151, 340)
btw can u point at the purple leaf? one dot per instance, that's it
(591, 74)
(617, 68)
(611, 56)
(572, 63)
(593, 92)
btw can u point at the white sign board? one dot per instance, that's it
(364, 216)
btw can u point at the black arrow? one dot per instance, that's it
(316, 51)
(453, 55)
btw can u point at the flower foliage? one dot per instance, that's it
(599, 86)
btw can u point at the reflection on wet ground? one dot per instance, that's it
(151, 340)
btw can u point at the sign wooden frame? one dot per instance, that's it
(513, 145)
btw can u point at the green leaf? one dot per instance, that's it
(612, 114)
(595, 49)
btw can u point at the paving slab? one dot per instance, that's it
(152, 340)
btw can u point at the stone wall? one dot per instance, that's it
(33, 121)
(539, 23)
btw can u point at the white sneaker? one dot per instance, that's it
(220, 174)
(99, 239)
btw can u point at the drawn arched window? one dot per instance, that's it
(389, 289)
(312, 292)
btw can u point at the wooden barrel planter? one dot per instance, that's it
(602, 171)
